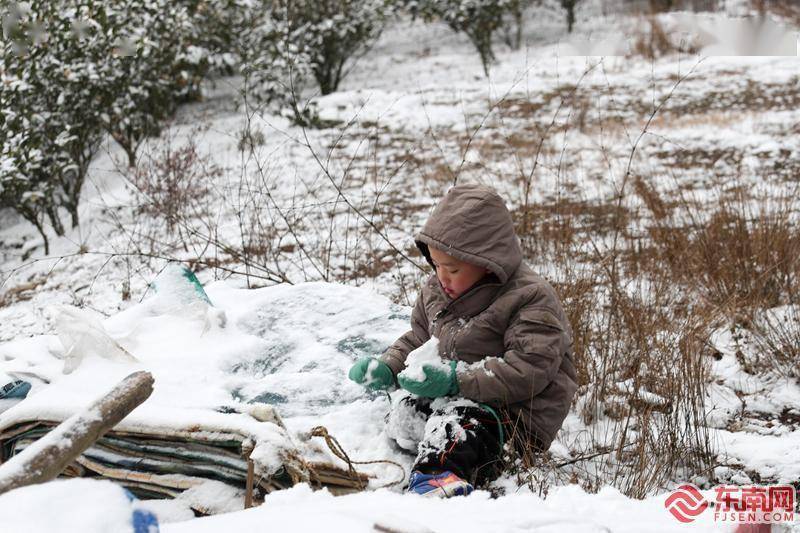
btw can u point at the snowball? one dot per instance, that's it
(427, 354)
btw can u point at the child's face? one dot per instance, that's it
(455, 276)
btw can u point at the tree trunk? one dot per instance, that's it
(128, 143)
(570, 18)
(32, 217)
(519, 21)
(46, 458)
(55, 220)
(569, 6)
(483, 43)
(73, 212)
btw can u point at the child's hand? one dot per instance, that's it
(372, 373)
(437, 382)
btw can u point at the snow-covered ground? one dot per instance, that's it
(290, 347)
(301, 509)
(414, 113)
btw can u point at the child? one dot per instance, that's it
(504, 333)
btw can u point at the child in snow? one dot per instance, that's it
(505, 345)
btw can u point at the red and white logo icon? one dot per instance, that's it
(748, 504)
(686, 503)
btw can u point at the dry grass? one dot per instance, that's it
(739, 258)
(642, 366)
(715, 118)
(786, 9)
(643, 310)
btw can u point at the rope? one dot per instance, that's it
(491, 411)
(338, 451)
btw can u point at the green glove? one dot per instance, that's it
(372, 373)
(437, 382)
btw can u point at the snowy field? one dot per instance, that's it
(290, 347)
(304, 244)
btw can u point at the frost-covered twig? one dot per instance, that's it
(340, 192)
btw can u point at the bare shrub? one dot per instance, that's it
(248, 139)
(173, 182)
(640, 360)
(640, 342)
(741, 261)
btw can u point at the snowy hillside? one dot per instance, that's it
(658, 195)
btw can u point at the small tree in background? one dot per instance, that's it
(513, 22)
(479, 20)
(309, 43)
(222, 31)
(22, 186)
(50, 132)
(334, 34)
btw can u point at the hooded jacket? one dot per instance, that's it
(509, 328)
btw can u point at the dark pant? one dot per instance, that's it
(459, 435)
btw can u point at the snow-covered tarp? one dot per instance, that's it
(224, 375)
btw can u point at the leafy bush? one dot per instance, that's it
(154, 65)
(222, 31)
(49, 133)
(72, 71)
(333, 34)
(305, 43)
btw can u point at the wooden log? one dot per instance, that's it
(46, 458)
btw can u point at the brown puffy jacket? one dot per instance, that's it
(510, 328)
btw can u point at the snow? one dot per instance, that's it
(76, 505)
(444, 416)
(774, 457)
(566, 509)
(405, 425)
(82, 335)
(425, 355)
(289, 346)
(480, 366)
